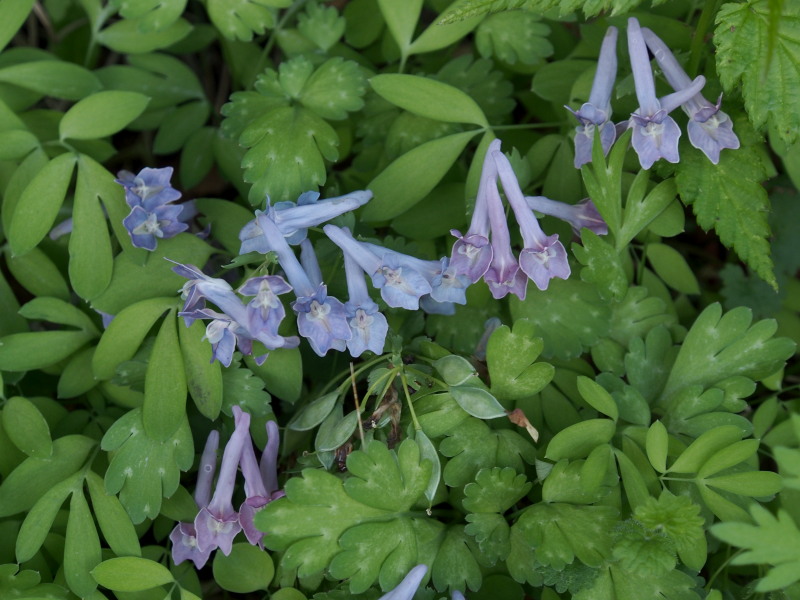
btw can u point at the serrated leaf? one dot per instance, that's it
(602, 265)
(492, 533)
(769, 72)
(39, 204)
(729, 197)
(511, 356)
(81, 547)
(319, 510)
(240, 19)
(679, 518)
(27, 428)
(428, 98)
(334, 89)
(288, 149)
(495, 490)
(101, 114)
(514, 37)
(412, 176)
(323, 25)
(143, 471)
(131, 574)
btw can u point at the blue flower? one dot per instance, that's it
(406, 589)
(655, 133)
(596, 113)
(145, 227)
(293, 219)
(149, 188)
(580, 215)
(710, 129)
(367, 325)
(152, 216)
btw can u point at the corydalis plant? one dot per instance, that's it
(150, 197)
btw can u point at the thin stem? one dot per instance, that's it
(698, 41)
(273, 37)
(417, 426)
(355, 399)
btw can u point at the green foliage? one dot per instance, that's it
(514, 37)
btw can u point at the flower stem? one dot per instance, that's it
(698, 41)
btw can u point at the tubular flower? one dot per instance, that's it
(580, 215)
(655, 133)
(596, 113)
(710, 129)
(368, 326)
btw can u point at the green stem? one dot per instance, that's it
(417, 426)
(273, 36)
(698, 41)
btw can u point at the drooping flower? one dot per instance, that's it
(543, 257)
(217, 523)
(406, 589)
(710, 129)
(293, 219)
(655, 133)
(596, 113)
(401, 286)
(367, 324)
(184, 535)
(580, 215)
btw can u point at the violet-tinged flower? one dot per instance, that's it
(294, 219)
(596, 113)
(503, 275)
(434, 307)
(710, 129)
(260, 483)
(217, 524)
(406, 589)
(543, 257)
(401, 286)
(655, 133)
(149, 188)
(145, 226)
(224, 334)
(320, 318)
(367, 325)
(265, 311)
(308, 259)
(184, 536)
(472, 254)
(580, 215)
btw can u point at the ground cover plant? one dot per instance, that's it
(399, 299)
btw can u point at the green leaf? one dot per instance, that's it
(282, 373)
(131, 574)
(704, 447)
(101, 114)
(29, 351)
(672, 268)
(412, 176)
(336, 430)
(602, 265)
(322, 25)
(12, 15)
(597, 397)
(164, 407)
(152, 15)
(495, 490)
(197, 157)
(39, 204)
(240, 19)
(438, 36)
(335, 89)
(514, 37)
(477, 402)
(288, 149)
(143, 470)
(55, 78)
(203, 377)
(679, 518)
(55, 310)
(34, 476)
(27, 428)
(511, 356)
(126, 37)
(719, 346)
(81, 547)
(578, 440)
(401, 19)
(313, 414)
(114, 522)
(730, 198)
(455, 370)
(769, 72)
(428, 98)
(429, 452)
(40, 518)
(756, 483)
(246, 569)
(90, 256)
(641, 209)
(635, 486)
(657, 445)
(241, 388)
(492, 533)
(559, 533)
(455, 566)
(323, 521)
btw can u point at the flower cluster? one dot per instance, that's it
(217, 523)
(655, 133)
(150, 197)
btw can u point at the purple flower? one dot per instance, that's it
(655, 133)
(161, 222)
(149, 189)
(580, 215)
(184, 535)
(293, 219)
(543, 257)
(596, 113)
(367, 325)
(406, 589)
(265, 311)
(217, 523)
(710, 129)
(260, 483)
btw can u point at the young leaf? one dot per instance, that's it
(412, 176)
(81, 547)
(27, 428)
(602, 265)
(672, 268)
(477, 402)
(511, 356)
(428, 98)
(428, 452)
(597, 397)
(39, 204)
(495, 490)
(679, 518)
(101, 114)
(131, 574)
(401, 18)
(514, 37)
(313, 414)
(657, 443)
(641, 210)
(240, 19)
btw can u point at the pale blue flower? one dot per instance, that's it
(406, 589)
(367, 324)
(584, 214)
(149, 188)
